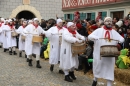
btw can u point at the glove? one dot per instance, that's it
(83, 38)
(79, 41)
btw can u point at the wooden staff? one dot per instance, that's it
(107, 38)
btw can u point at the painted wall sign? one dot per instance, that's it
(70, 4)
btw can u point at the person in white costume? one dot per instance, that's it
(21, 42)
(11, 41)
(2, 20)
(5, 46)
(104, 67)
(33, 48)
(68, 62)
(30, 22)
(53, 35)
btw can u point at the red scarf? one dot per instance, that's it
(107, 34)
(59, 28)
(35, 25)
(72, 32)
(23, 26)
(1, 24)
(11, 26)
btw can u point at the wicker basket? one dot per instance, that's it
(78, 48)
(109, 51)
(14, 34)
(37, 39)
(23, 38)
(60, 40)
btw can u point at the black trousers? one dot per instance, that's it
(84, 61)
(43, 48)
(17, 41)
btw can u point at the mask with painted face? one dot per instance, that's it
(108, 23)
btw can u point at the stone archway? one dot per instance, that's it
(26, 15)
(25, 8)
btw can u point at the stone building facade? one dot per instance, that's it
(91, 8)
(42, 9)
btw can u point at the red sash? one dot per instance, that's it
(107, 33)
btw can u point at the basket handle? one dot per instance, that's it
(110, 39)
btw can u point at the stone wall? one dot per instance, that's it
(47, 8)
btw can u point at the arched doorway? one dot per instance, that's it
(29, 8)
(25, 14)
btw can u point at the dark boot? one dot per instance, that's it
(71, 74)
(87, 65)
(30, 62)
(94, 83)
(38, 64)
(27, 60)
(5, 50)
(10, 52)
(67, 78)
(14, 53)
(80, 67)
(51, 68)
(25, 56)
(20, 54)
(34, 55)
(61, 72)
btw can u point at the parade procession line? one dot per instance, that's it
(14, 71)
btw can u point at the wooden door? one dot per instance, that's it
(119, 14)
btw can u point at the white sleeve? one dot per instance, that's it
(93, 36)
(120, 38)
(18, 30)
(42, 31)
(26, 29)
(68, 38)
(48, 33)
(80, 36)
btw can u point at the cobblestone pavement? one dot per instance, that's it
(14, 71)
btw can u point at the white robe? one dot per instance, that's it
(11, 41)
(21, 42)
(5, 37)
(1, 33)
(32, 48)
(53, 35)
(104, 67)
(67, 61)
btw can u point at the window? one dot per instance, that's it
(89, 15)
(119, 14)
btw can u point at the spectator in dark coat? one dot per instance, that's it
(84, 58)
